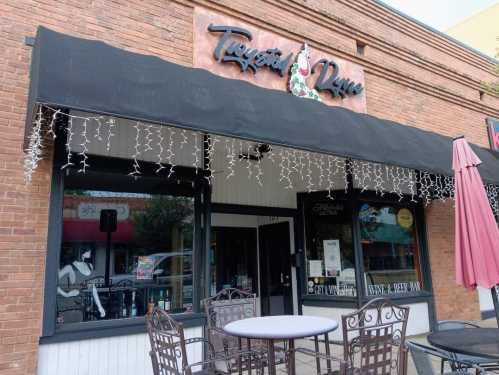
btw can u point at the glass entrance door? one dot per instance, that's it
(275, 269)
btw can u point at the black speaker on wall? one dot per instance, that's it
(108, 221)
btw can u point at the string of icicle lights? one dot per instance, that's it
(226, 158)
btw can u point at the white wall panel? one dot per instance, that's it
(244, 189)
(485, 299)
(122, 355)
(419, 319)
(123, 141)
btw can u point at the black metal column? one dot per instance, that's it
(493, 291)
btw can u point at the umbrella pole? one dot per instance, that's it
(493, 291)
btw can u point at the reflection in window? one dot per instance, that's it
(233, 259)
(150, 255)
(330, 251)
(391, 254)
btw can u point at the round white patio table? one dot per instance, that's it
(282, 327)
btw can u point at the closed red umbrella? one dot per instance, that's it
(476, 230)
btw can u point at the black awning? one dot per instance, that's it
(92, 76)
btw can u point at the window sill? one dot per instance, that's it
(351, 302)
(111, 328)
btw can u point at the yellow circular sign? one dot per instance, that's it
(405, 218)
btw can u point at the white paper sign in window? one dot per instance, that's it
(332, 257)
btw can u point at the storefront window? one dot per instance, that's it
(330, 251)
(390, 248)
(234, 259)
(122, 251)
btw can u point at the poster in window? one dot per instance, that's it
(145, 268)
(315, 268)
(493, 133)
(332, 257)
(405, 218)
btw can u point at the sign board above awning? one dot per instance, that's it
(95, 77)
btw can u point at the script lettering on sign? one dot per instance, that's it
(334, 84)
(246, 57)
(231, 48)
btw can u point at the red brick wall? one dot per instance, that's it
(412, 76)
(452, 302)
(162, 28)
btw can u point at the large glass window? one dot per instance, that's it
(123, 249)
(330, 251)
(390, 248)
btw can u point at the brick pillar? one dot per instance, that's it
(451, 301)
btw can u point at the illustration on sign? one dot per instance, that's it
(493, 133)
(300, 71)
(230, 49)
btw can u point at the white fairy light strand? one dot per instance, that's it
(170, 153)
(34, 150)
(308, 175)
(136, 167)
(51, 128)
(258, 165)
(196, 153)
(69, 138)
(110, 126)
(248, 160)
(184, 140)
(161, 149)
(330, 175)
(209, 143)
(97, 134)
(84, 148)
(231, 158)
(148, 139)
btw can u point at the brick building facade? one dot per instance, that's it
(412, 75)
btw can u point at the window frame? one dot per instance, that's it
(355, 199)
(112, 327)
(349, 209)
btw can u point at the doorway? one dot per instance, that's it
(275, 269)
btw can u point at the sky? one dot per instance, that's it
(440, 14)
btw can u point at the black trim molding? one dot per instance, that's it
(112, 328)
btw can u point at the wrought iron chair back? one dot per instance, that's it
(229, 305)
(225, 307)
(374, 337)
(168, 350)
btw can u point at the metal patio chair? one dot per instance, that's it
(373, 340)
(169, 349)
(421, 355)
(445, 325)
(226, 306)
(374, 337)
